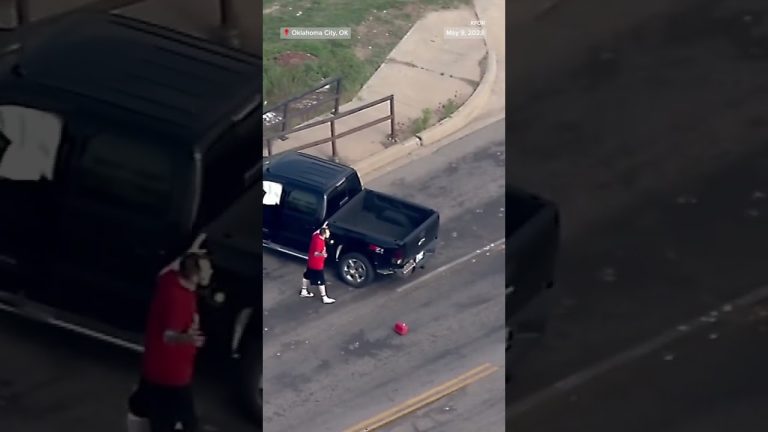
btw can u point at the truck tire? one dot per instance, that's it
(356, 270)
(251, 384)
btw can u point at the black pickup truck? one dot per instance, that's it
(122, 142)
(532, 244)
(370, 232)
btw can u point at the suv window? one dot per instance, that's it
(30, 144)
(302, 202)
(131, 175)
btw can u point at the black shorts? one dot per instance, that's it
(164, 407)
(315, 277)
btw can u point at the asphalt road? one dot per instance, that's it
(654, 146)
(711, 380)
(476, 407)
(54, 381)
(328, 367)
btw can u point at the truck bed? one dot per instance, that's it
(382, 217)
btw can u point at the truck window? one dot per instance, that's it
(226, 165)
(33, 139)
(304, 203)
(132, 175)
(343, 193)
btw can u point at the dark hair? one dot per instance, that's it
(190, 265)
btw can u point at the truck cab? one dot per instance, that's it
(311, 190)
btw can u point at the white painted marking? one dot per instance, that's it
(627, 356)
(450, 265)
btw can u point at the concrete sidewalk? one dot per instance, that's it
(423, 71)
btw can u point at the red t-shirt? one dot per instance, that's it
(174, 307)
(317, 244)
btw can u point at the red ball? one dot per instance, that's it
(401, 328)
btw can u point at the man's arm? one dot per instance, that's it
(318, 245)
(176, 319)
(174, 337)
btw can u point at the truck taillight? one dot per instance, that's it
(397, 256)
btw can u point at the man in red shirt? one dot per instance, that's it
(164, 395)
(314, 274)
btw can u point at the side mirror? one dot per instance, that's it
(212, 296)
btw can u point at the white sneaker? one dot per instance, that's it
(328, 300)
(305, 293)
(137, 424)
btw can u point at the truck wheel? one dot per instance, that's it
(356, 270)
(252, 381)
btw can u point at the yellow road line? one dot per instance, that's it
(423, 399)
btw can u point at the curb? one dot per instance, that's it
(386, 156)
(467, 111)
(435, 134)
(424, 151)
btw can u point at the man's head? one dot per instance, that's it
(325, 232)
(195, 268)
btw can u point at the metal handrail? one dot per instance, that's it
(282, 106)
(268, 139)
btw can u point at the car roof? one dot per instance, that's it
(186, 86)
(311, 171)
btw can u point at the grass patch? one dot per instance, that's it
(377, 27)
(449, 107)
(420, 124)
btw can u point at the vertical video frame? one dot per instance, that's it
(384, 215)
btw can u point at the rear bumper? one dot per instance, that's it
(409, 266)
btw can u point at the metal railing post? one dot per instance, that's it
(338, 97)
(285, 118)
(22, 12)
(334, 153)
(392, 135)
(226, 14)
